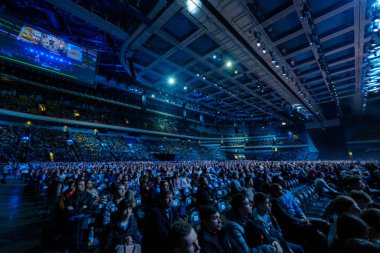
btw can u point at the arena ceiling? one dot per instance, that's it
(288, 60)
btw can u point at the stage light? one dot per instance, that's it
(171, 80)
(185, 88)
(229, 64)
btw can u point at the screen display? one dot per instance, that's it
(31, 46)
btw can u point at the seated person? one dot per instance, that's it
(372, 217)
(93, 191)
(341, 204)
(361, 198)
(296, 229)
(295, 210)
(159, 222)
(183, 239)
(323, 188)
(236, 224)
(248, 188)
(349, 227)
(205, 195)
(268, 226)
(118, 196)
(123, 228)
(81, 202)
(212, 237)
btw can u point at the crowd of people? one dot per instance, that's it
(36, 143)
(77, 108)
(209, 206)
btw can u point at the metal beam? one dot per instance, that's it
(334, 12)
(282, 14)
(360, 7)
(316, 21)
(89, 17)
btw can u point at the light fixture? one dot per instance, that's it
(185, 88)
(193, 6)
(171, 80)
(258, 43)
(229, 64)
(264, 51)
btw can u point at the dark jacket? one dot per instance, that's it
(205, 196)
(237, 230)
(116, 234)
(157, 229)
(210, 245)
(78, 200)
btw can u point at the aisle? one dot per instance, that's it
(20, 224)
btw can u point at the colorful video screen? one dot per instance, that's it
(34, 47)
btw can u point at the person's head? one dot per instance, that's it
(89, 184)
(120, 191)
(351, 226)
(164, 185)
(183, 238)
(81, 185)
(278, 180)
(124, 209)
(203, 181)
(210, 218)
(165, 198)
(71, 184)
(157, 180)
(372, 217)
(262, 202)
(357, 183)
(241, 205)
(343, 204)
(320, 174)
(277, 191)
(267, 179)
(248, 181)
(125, 182)
(361, 198)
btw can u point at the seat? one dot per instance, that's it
(194, 218)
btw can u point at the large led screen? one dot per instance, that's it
(31, 46)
